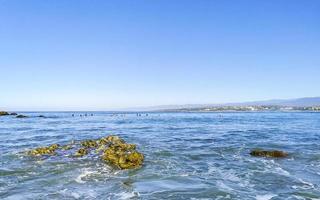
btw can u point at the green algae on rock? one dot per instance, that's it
(49, 150)
(111, 139)
(89, 144)
(112, 149)
(81, 152)
(3, 113)
(268, 153)
(123, 156)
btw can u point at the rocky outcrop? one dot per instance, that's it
(89, 144)
(81, 152)
(121, 154)
(49, 150)
(112, 150)
(3, 113)
(268, 153)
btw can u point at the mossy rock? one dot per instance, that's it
(21, 116)
(81, 152)
(131, 160)
(54, 146)
(3, 113)
(101, 148)
(111, 139)
(123, 156)
(89, 144)
(268, 153)
(49, 150)
(112, 150)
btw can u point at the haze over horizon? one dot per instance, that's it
(97, 55)
(299, 102)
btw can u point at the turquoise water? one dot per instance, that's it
(188, 156)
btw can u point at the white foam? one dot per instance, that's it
(66, 193)
(298, 197)
(184, 175)
(85, 173)
(226, 174)
(265, 197)
(306, 185)
(127, 195)
(223, 186)
(75, 195)
(302, 198)
(282, 171)
(79, 194)
(305, 182)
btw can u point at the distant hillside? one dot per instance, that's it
(299, 102)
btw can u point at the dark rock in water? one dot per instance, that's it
(112, 149)
(21, 116)
(41, 116)
(3, 113)
(268, 153)
(13, 113)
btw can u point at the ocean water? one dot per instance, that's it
(187, 156)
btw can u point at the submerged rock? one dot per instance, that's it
(112, 150)
(268, 153)
(67, 147)
(21, 116)
(3, 113)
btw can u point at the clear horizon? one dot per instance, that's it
(97, 55)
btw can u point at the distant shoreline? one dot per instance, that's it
(178, 111)
(247, 109)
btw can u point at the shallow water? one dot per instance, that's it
(188, 156)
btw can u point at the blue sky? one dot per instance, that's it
(100, 55)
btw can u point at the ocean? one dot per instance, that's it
(187, 156)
